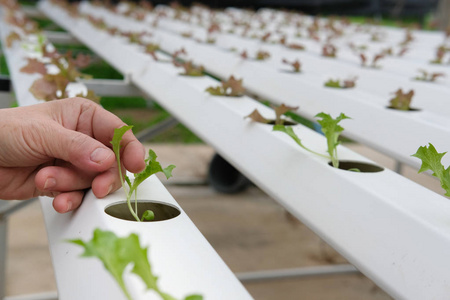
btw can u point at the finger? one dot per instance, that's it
(62, 179)
(94, 121)
(77, 148)
(69, 201)
(100, 123)
(133, 155)
(107, 182)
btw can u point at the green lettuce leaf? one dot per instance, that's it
(152, 167)
(117, 253)
(431, 160)
(332, 130)
(117, 138)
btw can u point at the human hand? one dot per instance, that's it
(59, 149)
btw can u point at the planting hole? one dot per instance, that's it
(358, 167)
(162, 211)
(285, 123)
(410, 109)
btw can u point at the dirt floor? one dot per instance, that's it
(249, 230)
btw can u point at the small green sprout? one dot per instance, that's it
(152, 167)
(331, 129)
(431, 160)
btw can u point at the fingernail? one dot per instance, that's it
(109, 189)
(69, 206)
(49, 183)
(99, 155)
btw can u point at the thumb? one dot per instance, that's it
(79, 149)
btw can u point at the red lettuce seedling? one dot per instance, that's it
(34, 66)
(53, 86)
(265, 37)
(262, 55)
(431, 160)
(346, 84)
(116, 253)
(151, 49)
(152, 167)
(408, 38)
(190, 69)
(178, 53)
(425, 76)
(295, 46)
(11, 38)
(244, 54)
(296, 65)
(329, 50)
(441, 51)
(401, 101)
(279, 112)
(376, 58)
(231, 88)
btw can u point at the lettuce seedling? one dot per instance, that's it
(441, 52)
(401, 101)
(431, 160)
(330, 128)
(333, 83)
(346, 84)
(408, 38)
(295, 46)
(376, 58)
(116, 253)
(279, 112)
(296, 65)
(152, 167)
(265, 37)
(262, 55)
(11, 38)
(425, 76)
(189, 68)
(53, 86)
(329, 50)
(230, 88)
(151, 49)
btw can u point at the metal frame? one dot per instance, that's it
(112, 87)
(297, 272)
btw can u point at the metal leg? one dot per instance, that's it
(162, 126)
(398, 167)
(296, 273)
(113, 87)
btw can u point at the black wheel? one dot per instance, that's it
(224, 178)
